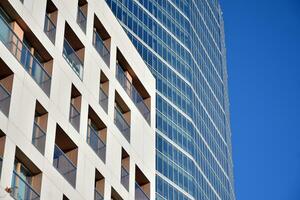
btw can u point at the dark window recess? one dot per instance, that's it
(50, 21)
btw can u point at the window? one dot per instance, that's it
(122, 116)
(50, 21)
(82, 14)
(39, 127)
(73, 51)
(6, 83)
(125, 166)
(65, 156)
(97, 134)
(75, 105)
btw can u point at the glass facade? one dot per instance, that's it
(182, 42)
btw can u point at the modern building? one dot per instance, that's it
(77, 104)
(182, 42)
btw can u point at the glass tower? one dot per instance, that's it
(182, 42)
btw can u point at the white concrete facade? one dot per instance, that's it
(17, 128)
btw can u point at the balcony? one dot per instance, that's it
(103, 100)
(125, 178)
(133, 93)
(96, 143)
(122, 124)
(1, 160)
(81, 19)
(101, 48)
(99, 186)
(4, 100)
(38, 138)
(64, 165)
(97, 195)
(142, 185)
(21, 189)
(50, 28)
(139, 193)
(73, 59)
(74, 117)
(19, 50)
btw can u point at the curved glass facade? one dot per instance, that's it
(182, 42)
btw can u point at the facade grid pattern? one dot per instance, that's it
(182, 42)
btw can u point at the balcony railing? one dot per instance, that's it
(122, 125)
(97, 195)
(4, 100)
(21, 189)
(64, 165)
(96, 143)
(19, 50)
(50, 28)
(74, 117)
(72, 58)
(1, 160)
(101, 48)
(81, 19)
(133, 93)
(38, 138)
(139, 193)
(125, 178)
(103, 100)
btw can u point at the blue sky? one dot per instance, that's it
(263, 53)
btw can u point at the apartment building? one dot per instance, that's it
(77, 104)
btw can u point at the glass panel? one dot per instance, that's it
(24, 56)
(101, 48)
(64, 165)
(133, 93)
(96, 143)
(81, 19)
(122, 125)
(21, 189)
(72, 58)
(50, 29)
(125, 178)
(4, 100)
(103, 100)
(74, 117)
(139, 193)
(38, 138)
(1, 160)
(97, 195)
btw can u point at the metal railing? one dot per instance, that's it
(133, 93)
(19, 50)
(97, 195)
(4, 100)
(101, 48)
(125, 178)
(50, 28)
(96, 143)
(21, 189)
(1, 160)
(81, 19)
(122, 125)
(72, 59)
(74, 117)
(103, 100)
(38, 138)
(64, 165)
(139, 193)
